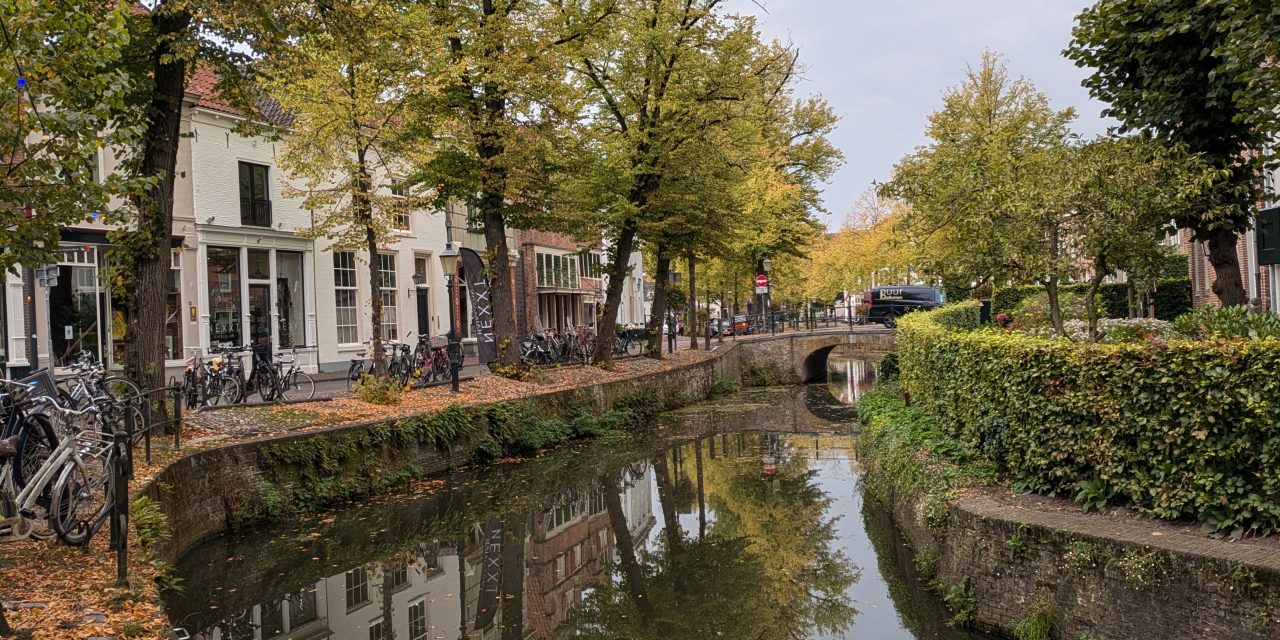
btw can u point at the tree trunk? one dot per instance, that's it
(632, 573)
(1055, 308)
(144, 353)
(1090, 302)
(702, 492)
(618, 271)
(658, 312)
(667, 501)
(388, 573)
(1227, 283)
(364, 209)
(501, 288)
(1131, 295)
(692, 307)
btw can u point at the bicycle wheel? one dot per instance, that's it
(634, 347)
(82, 499)
(222, 390)
(121, 388)
(36, 443)
(298, 386)
(267, 384)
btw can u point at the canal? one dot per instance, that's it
(739, 518)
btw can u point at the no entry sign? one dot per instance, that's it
(762, 280)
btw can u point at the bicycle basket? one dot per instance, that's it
(41, 383)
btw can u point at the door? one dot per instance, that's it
(423, 296)
(260, 314)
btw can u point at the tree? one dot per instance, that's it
(61, 82)
(1126, 190)
(165, 45)
(1199, 74)
(990, 187)
(497, 123)
(345, 70)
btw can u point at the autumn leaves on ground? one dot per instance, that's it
(60, 592)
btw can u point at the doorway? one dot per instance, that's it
(423, 297)
(260, 314)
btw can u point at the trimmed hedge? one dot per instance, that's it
(1172, 297)
(1181, 430)
(963, 315)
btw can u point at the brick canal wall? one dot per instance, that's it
(1106, 579)
(209, 492)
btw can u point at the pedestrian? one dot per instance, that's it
(671, 333)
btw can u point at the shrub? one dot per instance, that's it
(962, 315)
(906, 454)
(1179, 430)
(1172, 297)
(149, 520)
(1210, 322)
(378, 390)
(1033, 311)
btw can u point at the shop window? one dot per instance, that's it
(290, 299)
(173, 310)
(224, 296)
(357, 587)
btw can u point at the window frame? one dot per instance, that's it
(250, 205)
(360, 588)
(342, 288)
(391, 326)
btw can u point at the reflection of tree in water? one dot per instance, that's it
(765, 568)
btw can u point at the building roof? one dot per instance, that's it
(202, 85)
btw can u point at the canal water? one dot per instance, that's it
(740, 518)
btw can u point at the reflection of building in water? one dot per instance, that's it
(352, 605)
(570, 545)
(567, 549)
(849, 378)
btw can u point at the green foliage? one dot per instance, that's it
(888, 367)
(1082, 556)
(961, 315)
(1181, 430)
(1212, 322)
(723, 386)
(1037, 623)
(1172, 296)
(1094, 494)
(378, 389)
(759, 375)
(962, 599)
(64, 87)
(1145, 568)
(149, 520)
(1033, 311)
(906, 455)
(1015, 544)
(926, 562)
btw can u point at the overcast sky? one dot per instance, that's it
(882, 64)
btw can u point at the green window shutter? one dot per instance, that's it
(1268, 236)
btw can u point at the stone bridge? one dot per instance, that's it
(802, 357)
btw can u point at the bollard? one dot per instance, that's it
(120, 511)
(177, 418)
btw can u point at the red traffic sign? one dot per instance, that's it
(762, 280)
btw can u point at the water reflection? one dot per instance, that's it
(849, 374)
(727, 533)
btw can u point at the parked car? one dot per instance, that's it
(886, 304)
(741, 325)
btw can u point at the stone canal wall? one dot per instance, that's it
(1102, 578)
(239, 485)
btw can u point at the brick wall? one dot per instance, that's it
(1107, 580)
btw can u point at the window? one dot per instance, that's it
(377, 630)
(400, 190)
(224, 296)
(255, 200)
(418, 620)
(289, 298)
(399, 575)
(344, 283)
(358, 589)
(272, 619)
(387, 286)
(172, 310)
(589, 265)
(302, 607)
(542, 271)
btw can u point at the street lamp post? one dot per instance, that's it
(449, 263)
(768, 308)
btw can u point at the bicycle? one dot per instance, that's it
(292, 383)
(74, 484)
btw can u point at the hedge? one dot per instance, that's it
(1180, 430)
(1172, 297)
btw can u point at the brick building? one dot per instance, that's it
(1257, 249)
